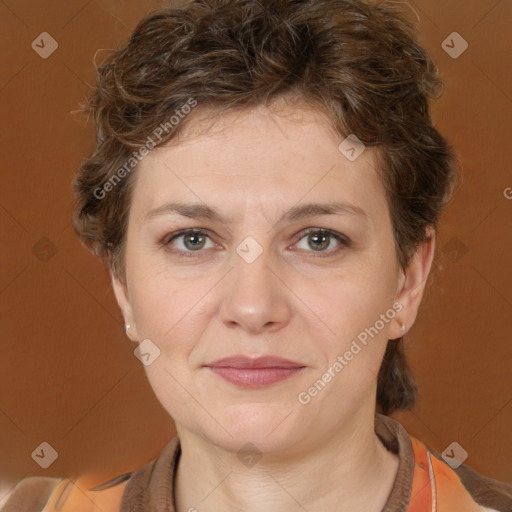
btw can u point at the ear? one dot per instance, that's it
(411, 285)
(122, 297)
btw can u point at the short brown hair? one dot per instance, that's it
(360, 62)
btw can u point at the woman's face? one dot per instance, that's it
(261, 280)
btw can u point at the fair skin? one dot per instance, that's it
(198, 301)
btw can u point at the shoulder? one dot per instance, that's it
(464, 485)
(493, 495)
(30, 494)
(462, 488)
(39, 494)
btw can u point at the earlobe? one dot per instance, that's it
(412, 285)
(121, 294)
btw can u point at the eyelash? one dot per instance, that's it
(342, 239)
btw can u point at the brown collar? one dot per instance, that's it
(150, 489)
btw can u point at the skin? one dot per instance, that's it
(291, 302)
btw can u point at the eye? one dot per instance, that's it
(321, 239)
(189, 240)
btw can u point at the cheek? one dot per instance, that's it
(355, 300)
(169, 310)
(353, 309)
(340, 301)
(336, 301)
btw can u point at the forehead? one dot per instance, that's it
(257, 157)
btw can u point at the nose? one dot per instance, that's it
(254, 297)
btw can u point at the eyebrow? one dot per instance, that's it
(202, 211)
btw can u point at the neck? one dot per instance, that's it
(352, 470)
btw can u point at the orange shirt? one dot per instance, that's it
(424, 483)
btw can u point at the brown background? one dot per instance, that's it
(68, 375)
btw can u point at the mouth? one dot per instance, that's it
(257, 372)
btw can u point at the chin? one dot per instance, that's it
(269, 427)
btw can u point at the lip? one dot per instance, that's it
(250, 372)
(241, 361)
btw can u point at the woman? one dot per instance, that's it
(265, 191)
